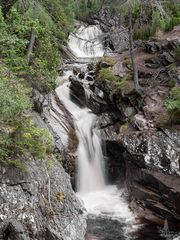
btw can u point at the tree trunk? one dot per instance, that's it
(31, 46)
(132, 54)
(33, 37)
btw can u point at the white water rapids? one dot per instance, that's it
(86, 43)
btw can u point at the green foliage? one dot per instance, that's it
(157, 20)
(17, 132)
(174, 101)
(50, 21)
(107, 74)
(36, 140)
(14, 99)
(123, 83)
(17, 140)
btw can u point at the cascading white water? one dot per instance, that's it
(86, 42)
(99, 198)
(90, 156)
(91, 170)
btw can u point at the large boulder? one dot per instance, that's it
(39, 203)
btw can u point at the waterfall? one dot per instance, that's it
(100, 200)
(87, 42)
(90, 156)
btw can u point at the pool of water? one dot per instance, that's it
(107, 229)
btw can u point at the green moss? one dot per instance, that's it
(60, 196)
(124, 82)
(163, 119)
(124, 128)
(110, 60)
(173, 103)
(107, 74)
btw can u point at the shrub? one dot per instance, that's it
(37, 141)
(14, 97)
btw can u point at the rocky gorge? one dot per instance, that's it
(139, 137)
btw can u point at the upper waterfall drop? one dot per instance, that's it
(87, 42)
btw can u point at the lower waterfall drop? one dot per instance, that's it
(100, 200)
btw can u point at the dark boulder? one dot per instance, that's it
(76, 70)
(89, 78)
(77, 93)
(81, 75)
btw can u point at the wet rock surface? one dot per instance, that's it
(111, 24)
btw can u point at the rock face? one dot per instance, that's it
(153, 174)
(111, 24)
(39, 204)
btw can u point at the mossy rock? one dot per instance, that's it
(60, 196)
(107, 74)
(127, 63)
(162, 119)
(110, 60)
(173, 103)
